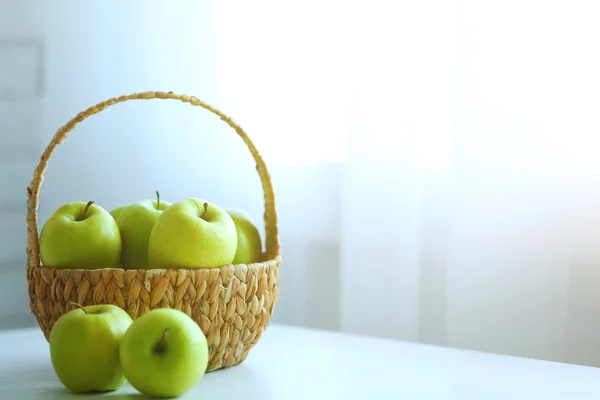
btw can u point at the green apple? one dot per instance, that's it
(80, 235)
(192, 233)
(249, 246)
(164, 353)
(115, 212)
(135, 224)
(84, 348)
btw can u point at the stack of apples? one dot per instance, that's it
(163, 352)
(149, 234)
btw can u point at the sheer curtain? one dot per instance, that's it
(435, 163)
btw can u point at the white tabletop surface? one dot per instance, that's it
(294, 363)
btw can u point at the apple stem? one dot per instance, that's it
(87, 206)
(157, 200)
(205, 210)
(78, 305)
(162, 339)
(160, 347)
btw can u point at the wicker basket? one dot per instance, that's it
(231, 304)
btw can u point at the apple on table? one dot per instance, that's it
(80, 235)
(164, 353)
(85, 345)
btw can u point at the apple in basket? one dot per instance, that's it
(249, 247)
(115, 212)
(135, 223)
(80, 235)
(192, 233)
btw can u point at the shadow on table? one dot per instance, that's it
(234, 382)
(61, 393)
(241, 381)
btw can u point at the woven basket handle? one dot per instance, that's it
(270, 214)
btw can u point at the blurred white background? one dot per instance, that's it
(435, 162)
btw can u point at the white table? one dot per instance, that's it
(295, 363)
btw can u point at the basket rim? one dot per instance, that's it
(265, 263)
(272, 246)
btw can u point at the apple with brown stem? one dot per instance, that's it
(164, 353)
(80, 235)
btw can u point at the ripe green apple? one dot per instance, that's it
(249, 246)
(80, 235)
(116, 212)
(192, 233)
(164, 353)
(135, 224)
(84, 348)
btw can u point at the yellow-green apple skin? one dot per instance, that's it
(135, 224)
(74, 237)
(188, 235)
(84, 348)
(164, 353)
(249, 246)
(116, 212)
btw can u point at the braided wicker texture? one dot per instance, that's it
(232, 304)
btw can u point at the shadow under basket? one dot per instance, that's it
(232, 304)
